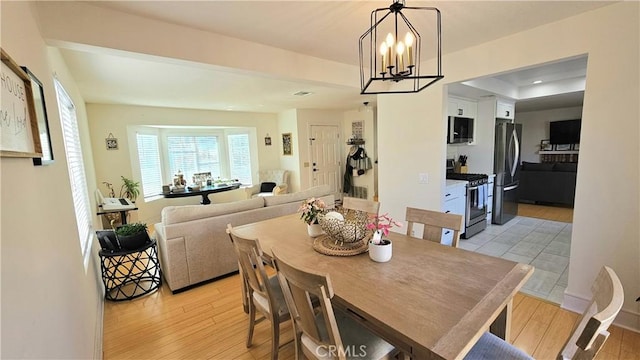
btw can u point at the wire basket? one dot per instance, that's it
(350, 227)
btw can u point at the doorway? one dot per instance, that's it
(325, 157)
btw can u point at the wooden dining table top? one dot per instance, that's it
(429, 300)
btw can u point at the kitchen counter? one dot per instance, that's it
(456, 182)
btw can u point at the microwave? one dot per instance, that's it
(460, 130)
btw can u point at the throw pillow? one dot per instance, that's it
(267, 186)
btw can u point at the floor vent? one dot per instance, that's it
(358, 192)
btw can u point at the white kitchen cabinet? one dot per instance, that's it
(490, 197)
(455, 201)
(505, 109)
(462, 107)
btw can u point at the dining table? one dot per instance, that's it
(431, 301)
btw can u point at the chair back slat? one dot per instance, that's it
(298, 287)
(434, 222)
(250, 259)
(590, 332)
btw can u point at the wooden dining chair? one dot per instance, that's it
(588, 336)
(368, 206)
(321, 333)
(263, 293)
(434, 222)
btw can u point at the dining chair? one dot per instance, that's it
(263, 293)
(324, 333)
(434, 222)
(589, 333)
(368, 206)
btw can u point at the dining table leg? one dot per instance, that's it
(501, 327)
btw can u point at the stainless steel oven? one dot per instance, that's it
(477, 197)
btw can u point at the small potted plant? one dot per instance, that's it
(310, 210)
(132, 236)
(380, 249)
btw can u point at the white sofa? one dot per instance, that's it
(192, 240)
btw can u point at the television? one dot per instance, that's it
(565, 131)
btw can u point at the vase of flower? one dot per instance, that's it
(380, 249)
(314, 230)
(311, 209)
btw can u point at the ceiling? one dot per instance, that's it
(324, 29)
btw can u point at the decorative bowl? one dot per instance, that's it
(349, 227)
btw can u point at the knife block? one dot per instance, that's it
(461, 169)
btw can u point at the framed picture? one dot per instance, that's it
(19, 135)
(563, 147)
(357, 129)
(545, 145)
(267, 140)
(287, 145)
(43, 120)
(111, 142)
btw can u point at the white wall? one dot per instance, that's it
(606, 213)
(288, 123)
(535, 127)
(51, 307)
(111, 164)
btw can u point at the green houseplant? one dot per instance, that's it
(132, 236)
(129, 189)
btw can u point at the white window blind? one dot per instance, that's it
(193, 154)
(239, 157)
(75, 164)
(150, 169)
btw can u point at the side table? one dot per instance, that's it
(128, 274)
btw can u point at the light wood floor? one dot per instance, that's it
(554, 213)
(207, 322)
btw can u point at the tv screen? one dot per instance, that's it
(565, 132)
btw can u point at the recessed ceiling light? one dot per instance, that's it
(537, 81)
(302, 93)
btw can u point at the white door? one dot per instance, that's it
(325, 156)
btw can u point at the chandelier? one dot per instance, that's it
(395, 49)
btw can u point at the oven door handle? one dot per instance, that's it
(512, 187)
(472, 188)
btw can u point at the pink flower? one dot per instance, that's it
(310, 209)
(383, 223)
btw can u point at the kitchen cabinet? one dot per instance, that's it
(455, 201)
(505, 109)
(462, 107)
(490, 197)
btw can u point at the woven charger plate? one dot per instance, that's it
(327, 246)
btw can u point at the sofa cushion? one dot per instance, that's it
(566, 167)
(528, 166)
(182, 213)
(316, 191)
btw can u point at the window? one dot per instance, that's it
(193, 154)
(228, 153)
(240, 157)
(150, 170)
(75, 164)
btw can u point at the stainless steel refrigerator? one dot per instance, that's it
(506, 164)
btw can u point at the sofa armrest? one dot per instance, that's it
(252, 190)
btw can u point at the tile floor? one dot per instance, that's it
(544, 244)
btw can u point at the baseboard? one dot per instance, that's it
(97, 351)
(627, 319)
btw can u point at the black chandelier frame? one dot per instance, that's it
(412, 73)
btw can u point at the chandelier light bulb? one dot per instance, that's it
(400, 51)
(408, 39)
(383, 55)
(389, 40)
